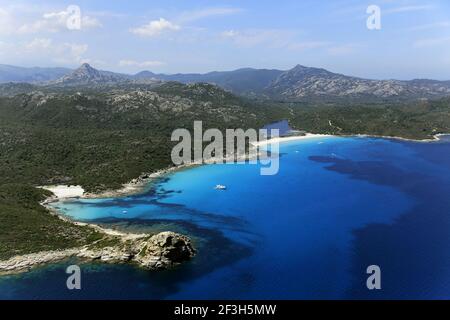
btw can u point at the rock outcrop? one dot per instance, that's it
(165, 250)
(161, 251)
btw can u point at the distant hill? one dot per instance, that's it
(246, 81)
(297, 84)
(304, 82)
(19, 74)
(86, 74)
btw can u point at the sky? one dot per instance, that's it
(171, 36)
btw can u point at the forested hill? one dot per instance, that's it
(103, 138)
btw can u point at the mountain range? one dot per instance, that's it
(20, 74)
(298, 83)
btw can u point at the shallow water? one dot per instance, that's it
(336, 206)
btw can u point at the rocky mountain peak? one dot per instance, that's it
(86, 71)
(87, 67)
(304, 82)
(145, 75)
(299, 67)
(304, 71)
(86, 74)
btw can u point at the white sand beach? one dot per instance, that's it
(138, 184)
(65, 192)
(436, 137)
(290, 138)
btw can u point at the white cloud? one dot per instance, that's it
(108, 14)
(56, 22)
(155, 28)
(432, 42)
(64, 53)
(45, 49)
(441, 24)
(143, 64)
(344, 49)
(7, 22)
(300, 46)
(38, 44)
(271, 38)
(358, 12)
(353, 10)
(408, 9)
(274, 38)
(5, 49)
(285, 40)
(208, 12)
(229, 34)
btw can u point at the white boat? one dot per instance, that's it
(220, 187)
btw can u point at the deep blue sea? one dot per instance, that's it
(336, 206)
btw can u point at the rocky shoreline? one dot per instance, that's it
(138, 184)
(161, 251)
(135, 185)
(153, 252)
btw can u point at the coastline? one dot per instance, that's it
(435, 138)
(307, 136)
(149, 251)
(137, 185)
(160, 251)
(23, 263)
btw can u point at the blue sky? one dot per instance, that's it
(201, 36)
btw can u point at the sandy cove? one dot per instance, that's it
(64, 192)
(307, 136)
(153, 252)
(158, 248)
(290, 138)
(159, 243)
(148, 251)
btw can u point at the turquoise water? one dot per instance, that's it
(336, 206)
